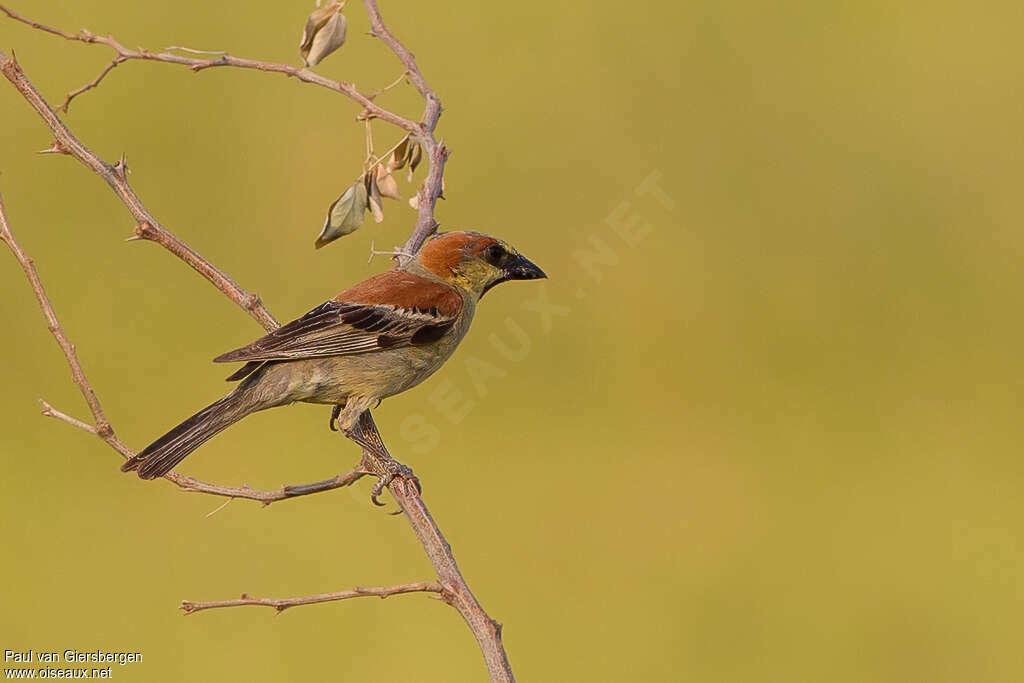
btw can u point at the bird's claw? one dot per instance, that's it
(335, 414)
(376, 460)
(393, 470)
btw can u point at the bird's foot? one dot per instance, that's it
(378, 462)
(335, 413)
(392, 470)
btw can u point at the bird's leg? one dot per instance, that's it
(364, 432)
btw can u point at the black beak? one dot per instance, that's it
(521, 268)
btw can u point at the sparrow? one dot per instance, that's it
(376, 339)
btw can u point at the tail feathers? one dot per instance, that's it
(161, 456)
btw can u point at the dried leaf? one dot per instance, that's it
(373, 193)
(415, 156)
(397, 160)
(387, 184)
(414, 201)
(345, 215)
(324, 33)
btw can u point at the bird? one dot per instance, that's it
(374, 340)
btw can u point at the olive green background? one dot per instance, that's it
(761, 423)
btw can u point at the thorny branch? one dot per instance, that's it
(451, 586)
(101, 426)
(116, 176)
(225, 60)
(436, 152)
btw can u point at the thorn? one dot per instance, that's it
(54, 148)
(251, 301)
(141, 228)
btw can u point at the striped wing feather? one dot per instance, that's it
(341, 329)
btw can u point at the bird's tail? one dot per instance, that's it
(161, 456)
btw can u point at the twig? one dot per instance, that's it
(101, 426)
(393, 84)
(267, 497)
(305, 75)
(63, 107)
(147, 227)
(281, 604)
(376, 252)
(437, 153)
(379, 30)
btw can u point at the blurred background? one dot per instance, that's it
(760, 424)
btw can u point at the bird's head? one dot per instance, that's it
(475, 262)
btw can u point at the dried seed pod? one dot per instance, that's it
(397, 160)
(415, 156)
(373, 194)
(345, 215)
(386, 183)
(324, 33)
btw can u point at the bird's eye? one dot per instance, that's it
(494, 253)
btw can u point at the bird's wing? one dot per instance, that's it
(391, 310)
